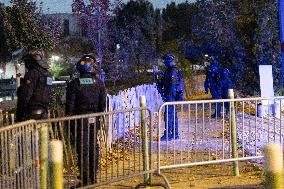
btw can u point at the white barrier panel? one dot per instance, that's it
(129, 98)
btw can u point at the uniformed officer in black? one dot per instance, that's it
(86, 95)
(33, 92)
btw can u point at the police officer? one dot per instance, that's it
(86, 95)
(33, 93)
(171, 87)
(211, 82)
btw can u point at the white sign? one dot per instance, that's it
(266, 81)
(266, 87)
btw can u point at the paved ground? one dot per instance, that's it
(202, 177)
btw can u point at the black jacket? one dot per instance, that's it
(33, 93)
(85, 95)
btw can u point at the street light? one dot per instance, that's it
(117, 46)
(55, 58)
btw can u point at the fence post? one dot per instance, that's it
(56, 164)
(12, 119)
(7, 118)
(233, 133)
(1, 118)
(273, 166)
(145, 149)
(43, 156)
(37, 165)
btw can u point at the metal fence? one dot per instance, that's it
(86, 147)
(112, 142)
(205, 138)
(19, 156)
(7, 89)
(6, 118)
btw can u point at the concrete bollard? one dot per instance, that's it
(233, 134)
(145, 149)
(273, 166)
(56, 164)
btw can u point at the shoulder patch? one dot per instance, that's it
(86, 81)
(49, 81)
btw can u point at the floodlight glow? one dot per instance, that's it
(117, 46)
(55, 58)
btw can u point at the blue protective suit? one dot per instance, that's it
(219, 82)
(171, 87)
(211, 82)
(212, 78)
(224, 85)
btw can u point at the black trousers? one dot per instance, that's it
(87, 151)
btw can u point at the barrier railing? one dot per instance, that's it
(19, 154)
(6, 118)
(204, 136)
(85, 146)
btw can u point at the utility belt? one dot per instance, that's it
(38, 112)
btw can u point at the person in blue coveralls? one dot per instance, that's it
(211, 82)
(171, 87)
(225, 83)
(219, 82)
(86, 95)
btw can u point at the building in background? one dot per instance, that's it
(69, 23)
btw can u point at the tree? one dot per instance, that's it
(266, 48)
(52, 26)
(4, 40)
(94, 17)
(177, 28)
(138, 32)
(61, 68)
(215, 32)
(27, 31)
(177, 21)
(21, 27)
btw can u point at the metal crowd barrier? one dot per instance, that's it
(205, 138)
(121, 145)
(6, 118)
(121, 159)
(19, 156)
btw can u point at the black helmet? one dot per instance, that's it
(36, 57)
(86, 64)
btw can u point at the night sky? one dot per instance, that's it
(56, 6)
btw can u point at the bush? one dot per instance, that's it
(61, 68)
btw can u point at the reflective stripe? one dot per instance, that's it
(86, 81)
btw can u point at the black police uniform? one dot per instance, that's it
(34, 94)
(86, 95)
